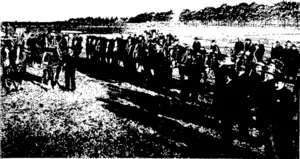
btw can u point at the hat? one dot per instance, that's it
(268, 71)
(213, 41)
(260, 64)
(228, 61)
(196, 38)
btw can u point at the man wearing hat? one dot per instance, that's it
(225, 98)
(77, 45)
(215, 48)
(263, 98)
(249, 46)
(62, 52)
(259, 51)
(291, 62)
(70, 70)
(222, 72)
(249, 85)
(195, 69)
(283, 110)
(277, 51)
(238, 47)
(196, 45)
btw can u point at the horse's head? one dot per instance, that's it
(5, 56)
(20, 55)
(116, 45)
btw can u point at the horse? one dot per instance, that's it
(13, 60)
(119, 51)
(50, 62)
(34, 48)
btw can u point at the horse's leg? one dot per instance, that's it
(58, 69)
(4, 80)
(44, 76)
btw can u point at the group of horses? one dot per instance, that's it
(151, 56)
(18, 52)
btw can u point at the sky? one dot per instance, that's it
(52, 10)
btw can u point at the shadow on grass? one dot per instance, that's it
(146, 113)
(117, 74)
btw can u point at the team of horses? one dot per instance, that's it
(19, 52)
(152, 57)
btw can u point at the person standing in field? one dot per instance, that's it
(196, 46)
(77, 45)
(259, 52)
(291, 61)
(88, 47)
(70, 69)
(277, 51)
(284, 109)
(62, 51)
(215, 48)
(238, 48)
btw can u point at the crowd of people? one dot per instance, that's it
(246, 82)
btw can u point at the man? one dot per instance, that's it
(277, 51)
(70, 71)
(259, 51)
(248, 45)
(202, 56)
(62, 52)
(225, 95)
(195, 68)
(129, 63)
(249, 85)
(103, 46)
(284, 109)
(31, 43)
(238, 48)
(246, 59)
(215, 48)
(77, 45)
(264, 99)
(88, 47)
(159, 65)
(196, 46)
(291, 61)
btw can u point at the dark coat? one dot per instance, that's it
(277, 52)
(215, 49)
(260, 53)
(196, 46)
(284, 108)
(238, 47)
(291, 61)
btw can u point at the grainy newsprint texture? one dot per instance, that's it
(150, 79)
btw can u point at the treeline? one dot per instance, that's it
(149, 17)
(102, 25)
(98, 21)
(280, 14)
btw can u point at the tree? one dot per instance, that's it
(185, 16)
